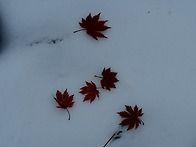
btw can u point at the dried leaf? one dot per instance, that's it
(131, 117)
(64, 100)
(90, 90)
(109, 78)
(93, 26)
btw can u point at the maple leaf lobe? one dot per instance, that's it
(131, 117)
(90, 90)
(109, 78)
(93, 26)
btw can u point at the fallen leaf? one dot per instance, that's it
(64, 100)
(93, 26)
(90, 90)
(131, 117)
(108, 79)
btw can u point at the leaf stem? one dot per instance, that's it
(110, 139)
(68, 113)
(98, 76)
(79, 30)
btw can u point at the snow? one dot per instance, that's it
(151, 45)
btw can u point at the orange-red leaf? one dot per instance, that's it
(131, 117)
(93, 26)
(90, 90)
(109, 78)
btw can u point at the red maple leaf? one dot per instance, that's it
(90, 90)
(108, 79)
(131, 117)
(93, 26)
(64, 100)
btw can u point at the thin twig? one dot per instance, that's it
(110, 139)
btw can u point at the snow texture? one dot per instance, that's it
(151, 45)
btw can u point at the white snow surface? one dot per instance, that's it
(151, 46)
